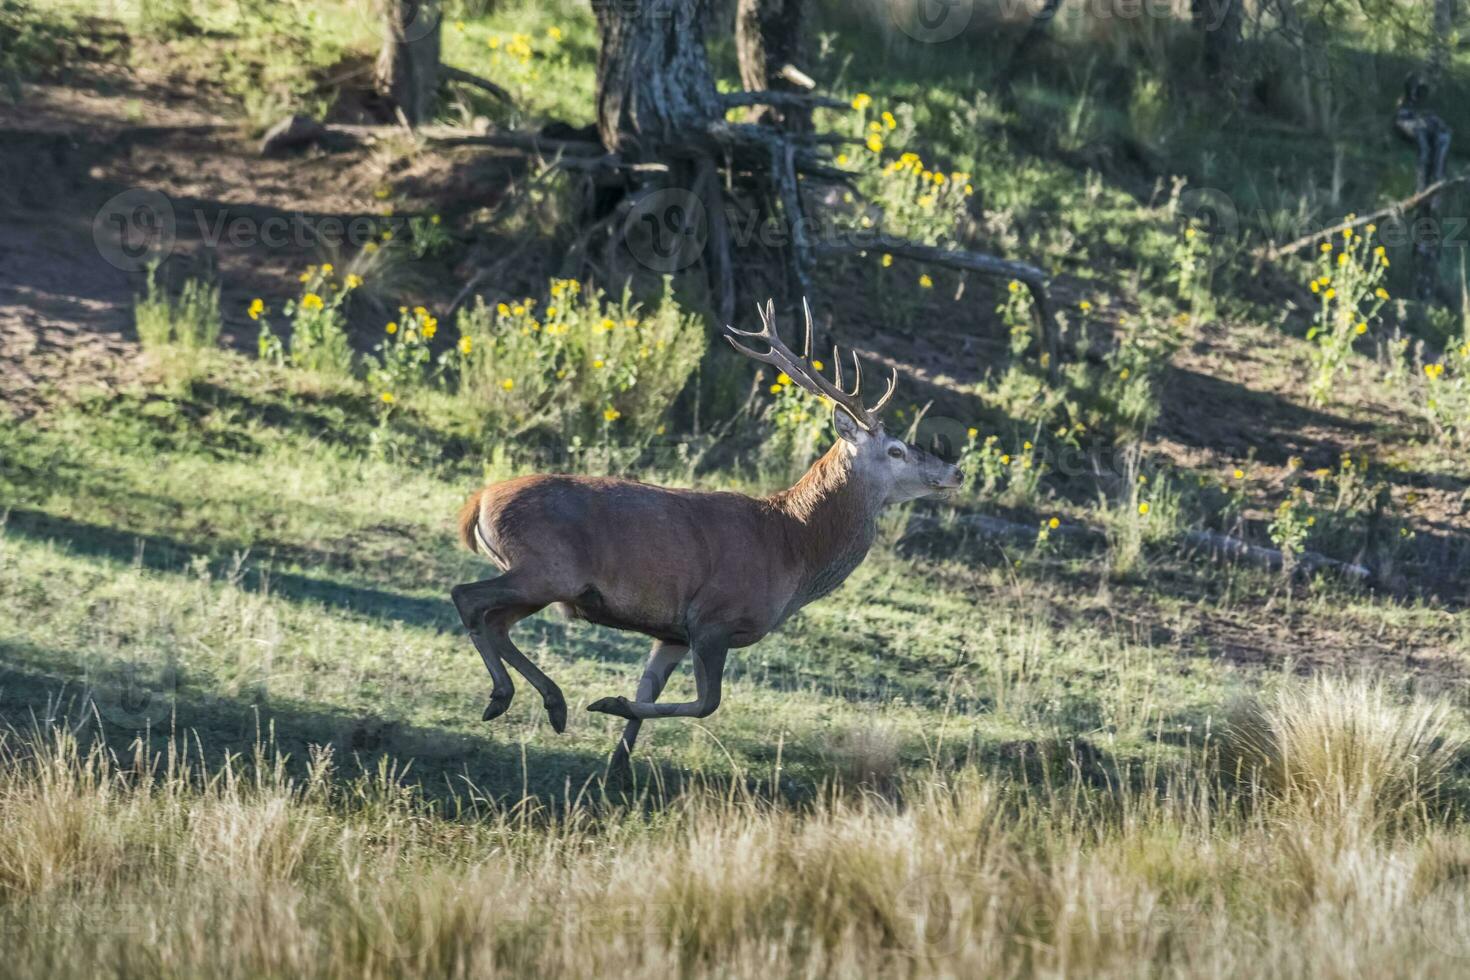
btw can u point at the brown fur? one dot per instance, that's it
(469, 515)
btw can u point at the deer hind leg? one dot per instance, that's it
(488, 610)
(709, 670)
(661, 663)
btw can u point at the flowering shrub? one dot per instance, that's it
(914, 200)
(404, 359)
(1350, 291)
(318, 339)
(1447, 394)
(579, 365)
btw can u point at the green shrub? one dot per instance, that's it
(581, 367)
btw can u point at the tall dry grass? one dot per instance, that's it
(152, 865)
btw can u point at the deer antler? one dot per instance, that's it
(804, 372)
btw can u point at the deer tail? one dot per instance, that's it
(469, 519)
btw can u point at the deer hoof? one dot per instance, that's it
(557, 710)
(496, 707)
(612, 706)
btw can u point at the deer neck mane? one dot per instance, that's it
(832, 516)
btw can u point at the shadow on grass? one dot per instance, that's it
(119, 704)
(164, 554)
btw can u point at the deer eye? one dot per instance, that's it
(895, 452)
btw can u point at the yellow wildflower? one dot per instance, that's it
(466, 345)
(554, 32)
(1054, 523)
(888, 120)
(327, 269)
(391, 328)
(1084, 306)
(783, 379)
(1381, 293)
(1143, 508)
(875, 143)
(817, 365)
(1239, 473)
(353, 280)
(972, 432)
(925, 282)
(1361, 328)
(311, 301)
(611, 414)
(387, 398)
(887, 260)
(597, 365)
(861, 101)
(508, 384)
(257, 307)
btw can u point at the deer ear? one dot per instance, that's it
(847, 426)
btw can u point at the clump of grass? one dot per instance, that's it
(176, 331)
(868, 756)
(1346, 749)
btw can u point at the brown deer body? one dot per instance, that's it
(697, 571)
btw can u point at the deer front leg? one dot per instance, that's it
(709, 669)
(661, 663)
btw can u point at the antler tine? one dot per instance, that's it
(837, 366)
(857, 381)
(800, 370)
(806, 348)
(892, 387)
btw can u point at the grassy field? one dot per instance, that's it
(1046, 729)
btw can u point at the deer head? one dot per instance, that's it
(897, 469)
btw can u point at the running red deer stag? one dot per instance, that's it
(696, 571)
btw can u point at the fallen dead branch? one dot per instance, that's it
(1273, 252)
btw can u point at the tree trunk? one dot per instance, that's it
(768, 40)
(1220, 22)
(1439, 41)
(1430, 137)
(408, 71)
(653, 77)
